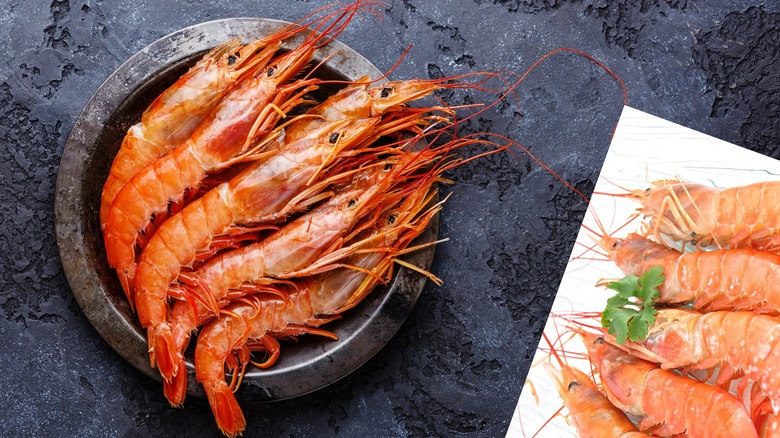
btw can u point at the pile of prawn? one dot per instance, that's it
(710, 364)
(239, 209)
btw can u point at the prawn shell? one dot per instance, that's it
(590, 412)
(86, 160)
(739, 217)
(736, 279)
(744, 340)
(667, 400)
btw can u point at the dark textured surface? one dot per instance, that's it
(457, 365)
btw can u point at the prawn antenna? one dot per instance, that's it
(627, 192)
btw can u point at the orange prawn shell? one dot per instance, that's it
(672, 338)
(635, 255)
(590, 412)
(741, 279)
(744, 340)
(666, 400)
(744, 216)
(174, 115)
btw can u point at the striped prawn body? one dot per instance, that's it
(745, 341)
(176, 113)
(734, 217)
(740, 279)
(668, 403)
(150, 191)
(232, 131)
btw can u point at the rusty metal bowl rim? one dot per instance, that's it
(306, 368)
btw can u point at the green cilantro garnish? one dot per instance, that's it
(629, 313)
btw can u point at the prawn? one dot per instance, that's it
(360, 100)
(768, 426)
(175, 114)
(744, 216)
(186, 315)
(254, 324)
(738, 341)
(590, 412)
(249, 109)
(739, 279)
(641, 388)
(260, 192)
(303, 242)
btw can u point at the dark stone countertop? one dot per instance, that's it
(457, 366)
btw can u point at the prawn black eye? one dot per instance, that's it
(351, 203)
(334, 137)
(231, 59)
(573, 385)
(388, 166)
(386, 92)
(616, 244)
(271, 71)
(391, 219)
(599, 341)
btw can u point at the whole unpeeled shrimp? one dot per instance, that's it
(284, 317)
(745, 216)
(259, 194)
(745, 341)
(590, 412)
(297, 247)
(254, 324)
(225, 135)
(740, 279)
(228, 133)
(177, 112)
(667, 402)
(308, 237)
(174, 115)
(360, 100)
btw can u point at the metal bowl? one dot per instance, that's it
(303, 367)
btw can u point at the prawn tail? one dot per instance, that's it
(225, 408)
(126, 280)
(162, 350)
(176, 390)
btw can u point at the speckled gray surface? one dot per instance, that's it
(456, 367)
